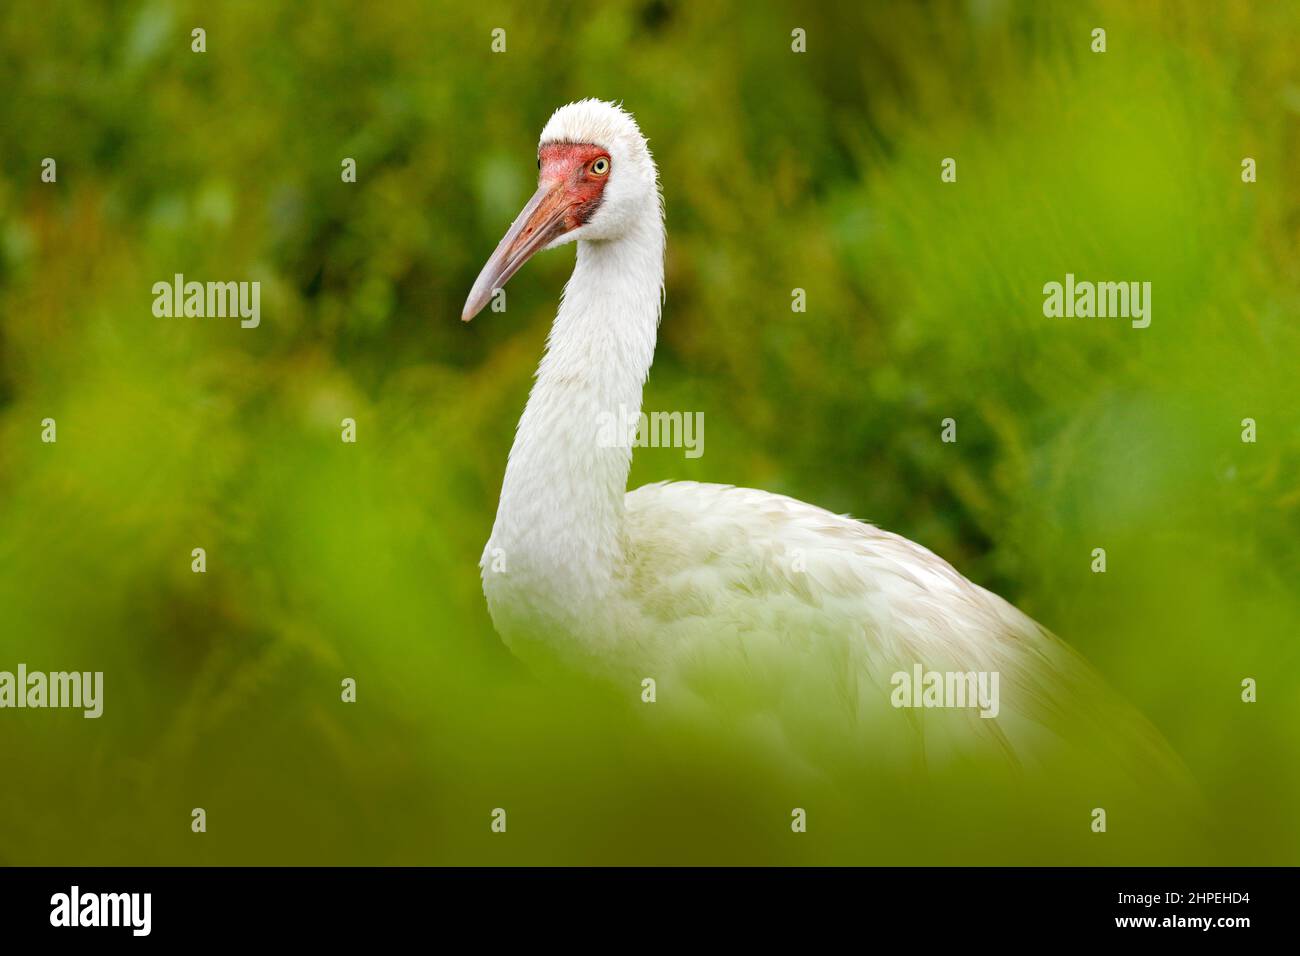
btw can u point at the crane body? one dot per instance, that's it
(685, 581)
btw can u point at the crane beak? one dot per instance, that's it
(540, 221)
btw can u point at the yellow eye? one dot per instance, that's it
(601, 166)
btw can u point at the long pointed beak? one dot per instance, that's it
(540, 221)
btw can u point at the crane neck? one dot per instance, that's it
(558, 542)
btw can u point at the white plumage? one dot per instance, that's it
(706, 586)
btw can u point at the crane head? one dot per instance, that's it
(595, 180)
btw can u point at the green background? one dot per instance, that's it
(780, 170)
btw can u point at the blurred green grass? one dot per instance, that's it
(817, 171)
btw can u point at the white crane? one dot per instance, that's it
(679, 580)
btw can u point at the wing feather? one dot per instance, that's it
(820, 610)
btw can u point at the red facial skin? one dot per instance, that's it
(569, 191)
(570, 164)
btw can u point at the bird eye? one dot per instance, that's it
(601, 166)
